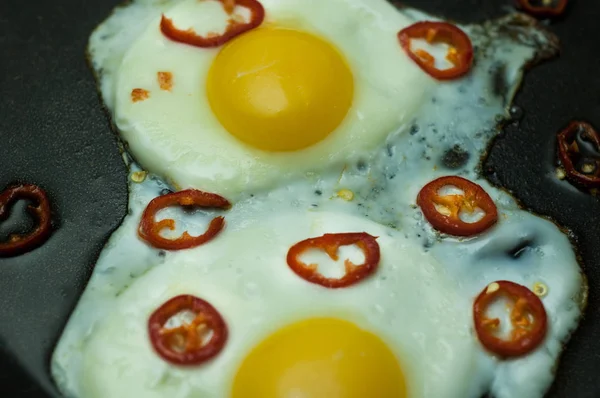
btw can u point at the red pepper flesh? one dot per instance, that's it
(330, 244)
(184, 345)
(460, 53)
(528, 317)
(474, 197)
(19, 244)
(542, 10)
(150, 229)
(234, 27)
(569, 151)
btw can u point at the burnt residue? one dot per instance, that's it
(414, 129)
(499, 84)
(546, 42)
(455, 157)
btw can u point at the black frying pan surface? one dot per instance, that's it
(54, 133)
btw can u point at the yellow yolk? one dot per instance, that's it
(279, 89)
(320, 358)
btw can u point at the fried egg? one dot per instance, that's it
(422, 292)
(301, 93)
(400, 329)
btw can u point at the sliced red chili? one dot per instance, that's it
(460, 53)
(235, 27)
(19, 244)
(189, 343)
(527, 316)
(579, 153)
(543, 8)
(330, 243)
(449, 221)
(150, 229)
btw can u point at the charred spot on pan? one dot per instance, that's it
(455, 157)
(318, 192)
(414, 129)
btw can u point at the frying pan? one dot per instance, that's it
(54, 133)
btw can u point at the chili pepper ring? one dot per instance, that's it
(195, 350)
(474, 197)
(527, 335)
(330, 243)
(150, 229)
(568, 149)
(460, 53)
(19, 244)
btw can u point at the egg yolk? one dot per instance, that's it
(320, 358)
(279, 89)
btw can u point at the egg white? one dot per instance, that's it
(175, 133)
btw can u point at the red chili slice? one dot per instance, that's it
(234, 26)
(330, 243)
(460, 53)
(581, 169)
(185, 344)
(474, 197)
(543, 8)
(150, 229)
(19, 244)
(527, 316)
